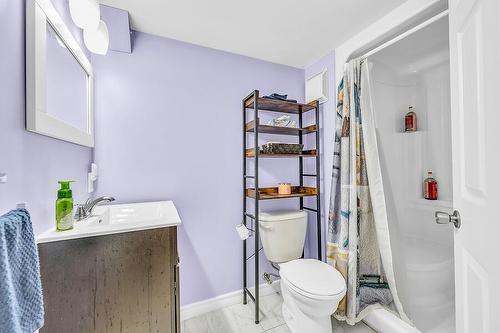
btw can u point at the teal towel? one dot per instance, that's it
(21, 300)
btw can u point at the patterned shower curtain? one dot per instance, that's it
(356, 238)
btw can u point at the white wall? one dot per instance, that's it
(391, 95)
(400, 19)
(424, 273)
(405, 157)
(391, 24)
(422, 250)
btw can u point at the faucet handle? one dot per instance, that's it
(80, 213)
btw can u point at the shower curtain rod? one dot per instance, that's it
(405, 34)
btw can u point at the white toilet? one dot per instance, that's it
(311, 289)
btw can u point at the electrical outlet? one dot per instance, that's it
(90, 183)
(91, 177)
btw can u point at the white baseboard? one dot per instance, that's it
(222, 301)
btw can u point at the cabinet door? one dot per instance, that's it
(115, 283)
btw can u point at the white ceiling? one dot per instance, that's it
(289, 32)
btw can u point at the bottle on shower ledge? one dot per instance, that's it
(430, 187)
(411, 120)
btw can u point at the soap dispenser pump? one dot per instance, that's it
(64, 206)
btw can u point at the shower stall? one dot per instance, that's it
(415, 72)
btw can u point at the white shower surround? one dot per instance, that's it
(423, 250)
(441, 271)
(377, 192)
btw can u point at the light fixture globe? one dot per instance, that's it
(97, 40)
(85, 13)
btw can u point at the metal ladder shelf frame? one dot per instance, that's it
(255, 177)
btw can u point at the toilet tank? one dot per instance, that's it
(283, 234)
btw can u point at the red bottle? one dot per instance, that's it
(430, 187)
(411, 121)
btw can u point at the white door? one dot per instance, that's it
(475, 93)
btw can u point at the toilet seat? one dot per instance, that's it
(313, 279)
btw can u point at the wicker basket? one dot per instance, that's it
(282, 148)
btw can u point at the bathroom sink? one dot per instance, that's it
(150, 213)
(113, 219)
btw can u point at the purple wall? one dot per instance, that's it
(33, 162)
(168, 127)
(117, 21)
(327, 122)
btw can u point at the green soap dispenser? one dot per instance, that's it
(64, 206)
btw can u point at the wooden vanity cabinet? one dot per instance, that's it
(127, 282)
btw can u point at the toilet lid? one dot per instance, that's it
(313, 277)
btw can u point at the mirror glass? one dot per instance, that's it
(66, 83)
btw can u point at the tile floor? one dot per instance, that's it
(239, 319)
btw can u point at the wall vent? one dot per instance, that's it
(317, 87)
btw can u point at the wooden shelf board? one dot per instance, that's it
(250, 152)
(270, 193)
(250, 127)
(275, 105)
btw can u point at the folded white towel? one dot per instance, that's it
(283, 121)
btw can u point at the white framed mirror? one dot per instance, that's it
(59, 78)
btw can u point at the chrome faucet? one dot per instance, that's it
(85, 210)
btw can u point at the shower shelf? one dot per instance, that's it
(434, 203)
(251, 105)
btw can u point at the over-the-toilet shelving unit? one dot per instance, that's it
(256, 103)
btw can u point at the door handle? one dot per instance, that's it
(445, 218)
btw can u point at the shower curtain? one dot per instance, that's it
(358, 243)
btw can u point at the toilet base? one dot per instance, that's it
(309, 309)
(298, 322)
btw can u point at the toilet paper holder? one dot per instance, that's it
(243, 231)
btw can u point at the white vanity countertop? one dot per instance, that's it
(114, 219)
